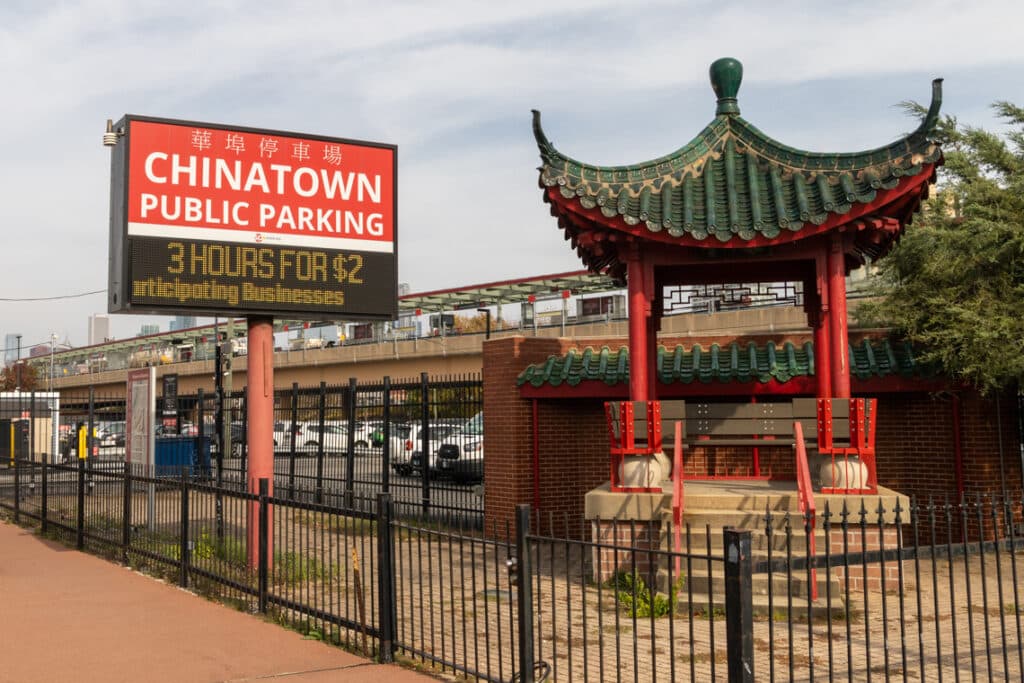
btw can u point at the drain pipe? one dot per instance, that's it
(999, 443)
(958, 453)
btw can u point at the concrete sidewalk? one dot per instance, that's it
(72, 616)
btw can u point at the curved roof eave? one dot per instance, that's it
(737, 184)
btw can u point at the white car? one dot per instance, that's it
(461, 456)
(411, 462)
(283, 433)
(365, 431)
(334, 437)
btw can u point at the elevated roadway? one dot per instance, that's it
(437, 356)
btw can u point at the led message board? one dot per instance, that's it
(223, 220)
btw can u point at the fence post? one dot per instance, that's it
(524, 592)
(17, 483)
(43, 503)
(386, 607)
(425, 443)
(350, 457)
(263, 557)
(245, 430)
(197, 459)
(291, 449)
(32, 443)
(385, 464)
(321, 414)
(183, 546)
(739, 606)
(31, 431)
(126, 513)
(80, 516)
(90, 442)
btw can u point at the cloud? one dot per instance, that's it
(452, 84)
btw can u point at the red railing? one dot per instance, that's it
(625, 441)
(805, 495)
(853, 465)
(677, 496)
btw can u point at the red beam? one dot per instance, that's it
(797, 386)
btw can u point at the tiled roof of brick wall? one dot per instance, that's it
(735, 362)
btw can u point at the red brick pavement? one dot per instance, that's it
(69, 616)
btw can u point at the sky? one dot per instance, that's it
(452, 85)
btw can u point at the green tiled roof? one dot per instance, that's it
(733, 363)
(733, 182)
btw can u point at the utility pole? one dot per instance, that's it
(17, 366)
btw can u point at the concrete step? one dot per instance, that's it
(698, 580)
(759, 541)
(781, 607)
(701, 518)
(776, 502)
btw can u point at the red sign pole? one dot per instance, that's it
(260, 415)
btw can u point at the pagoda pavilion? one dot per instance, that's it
(736, 204)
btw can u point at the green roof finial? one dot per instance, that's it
(726, 76)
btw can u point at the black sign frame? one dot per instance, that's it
(134, 260)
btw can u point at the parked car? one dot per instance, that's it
(411, 462)
(461, 456)
(284, 432)
(334, 437)
(400, 439)
(111, 434)
(237, 439)
(367, 432)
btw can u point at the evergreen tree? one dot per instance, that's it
(954, 286)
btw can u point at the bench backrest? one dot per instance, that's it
(627, 424)
(736, 423)
(739, 423)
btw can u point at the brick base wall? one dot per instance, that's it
(726, 461)
(914, 443)
(630, 541)
(872, 576)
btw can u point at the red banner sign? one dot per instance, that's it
(258, 187)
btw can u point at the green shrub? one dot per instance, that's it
(638, 599)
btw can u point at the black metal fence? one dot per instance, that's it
(929, 590)
(338, 444)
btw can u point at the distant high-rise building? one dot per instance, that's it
(11, 342)
(183, 322)
(149, 328)
(99, 328)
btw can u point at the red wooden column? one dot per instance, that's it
(819, 320)
(260, 423)
(653, 325)
(840, 346)
(639, 311)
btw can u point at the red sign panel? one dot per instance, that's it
(203, 183)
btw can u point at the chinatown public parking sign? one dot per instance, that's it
(211, 219)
